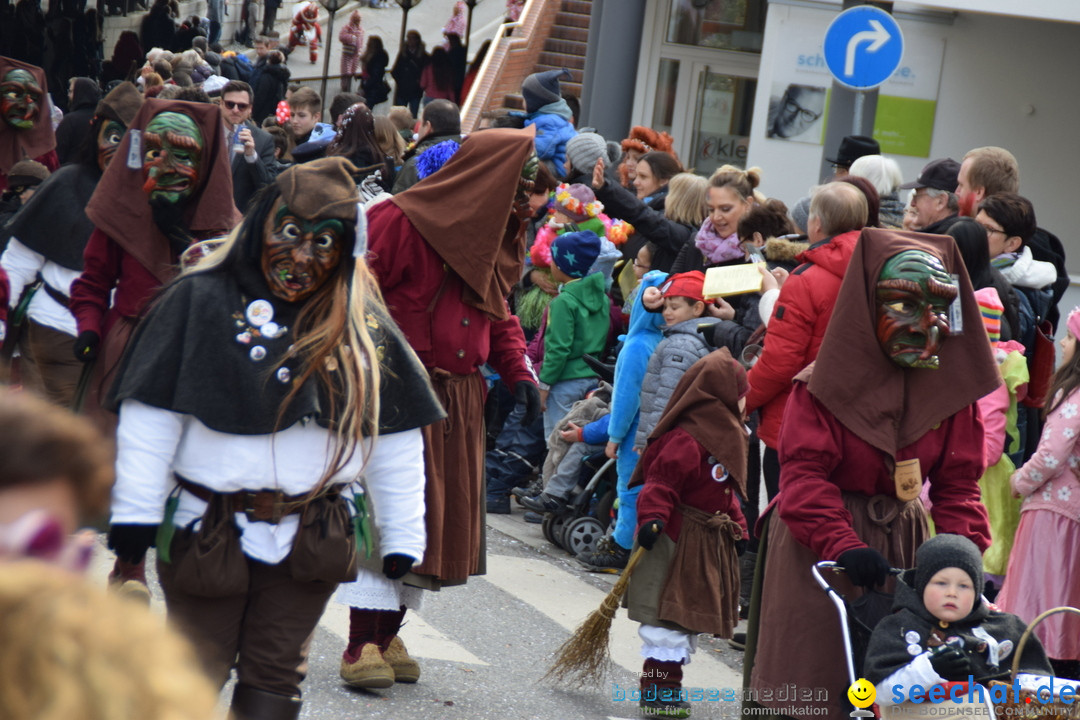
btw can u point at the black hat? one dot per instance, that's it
(944, 551)
(938, 174)
(853, 147)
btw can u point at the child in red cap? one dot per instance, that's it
(682, 346)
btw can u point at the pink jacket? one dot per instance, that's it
(1049, 480)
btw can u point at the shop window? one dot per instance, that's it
(723, 24)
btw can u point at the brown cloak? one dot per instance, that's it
(888, 406)
(484, 248)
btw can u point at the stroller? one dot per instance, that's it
(857, 622)
(586, 517)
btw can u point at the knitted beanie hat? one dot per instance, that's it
(689, 285)
(574, 253)
(800, 213)
(578, 202)
(945, 551)
(991, 308)
(583, 150)
(540, 89)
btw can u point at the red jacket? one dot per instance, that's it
(820, 459)
(424, 298)
(797, 328)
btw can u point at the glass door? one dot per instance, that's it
(699, 75)
(720, 126)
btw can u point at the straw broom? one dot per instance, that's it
(585, 656)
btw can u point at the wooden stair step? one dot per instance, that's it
(565, 47)
(574, 34)
(560, 60)
(572, 20)
(581, 7)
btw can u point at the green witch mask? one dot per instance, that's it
(20, 99)
(913, 297)
(172, 157)
(299, 255)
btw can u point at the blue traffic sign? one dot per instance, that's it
(863, 47)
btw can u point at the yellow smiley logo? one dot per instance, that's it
(862, 693)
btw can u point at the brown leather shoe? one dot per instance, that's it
(370, 670)
(406, 669)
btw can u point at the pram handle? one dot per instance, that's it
(838, 601)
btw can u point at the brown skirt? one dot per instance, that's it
(454, 494)
(691, 586)
(798, 636)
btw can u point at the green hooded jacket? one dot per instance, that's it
(578, 322)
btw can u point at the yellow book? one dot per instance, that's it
(732, 280)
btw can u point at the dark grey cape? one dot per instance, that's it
(53, 222)
(185, 356)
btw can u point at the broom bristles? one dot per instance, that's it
(585, 657)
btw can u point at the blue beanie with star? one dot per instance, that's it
(575, 252)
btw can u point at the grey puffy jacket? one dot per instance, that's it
(681, 347)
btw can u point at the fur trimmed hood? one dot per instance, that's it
(785, 249)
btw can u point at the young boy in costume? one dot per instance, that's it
(691, 523)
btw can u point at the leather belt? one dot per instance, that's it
(257, 505)
(55, 294)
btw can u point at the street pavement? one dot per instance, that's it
(484, 647)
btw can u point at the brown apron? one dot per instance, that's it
(798, 636)
(454, 494)
(691, 586)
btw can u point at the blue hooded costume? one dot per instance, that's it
(644, 335)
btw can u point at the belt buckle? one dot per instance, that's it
(264, 506)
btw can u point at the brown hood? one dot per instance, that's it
(121, 210)
(464, 212)
(888, 406)
(16, 145)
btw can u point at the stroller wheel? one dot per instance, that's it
(552, 528)
(581, 535)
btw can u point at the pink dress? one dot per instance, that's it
(456, 24)
(1043, 566)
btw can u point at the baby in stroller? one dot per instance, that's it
(942, 630)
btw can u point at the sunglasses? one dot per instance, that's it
(236, 106)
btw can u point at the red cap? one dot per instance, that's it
(689, 285)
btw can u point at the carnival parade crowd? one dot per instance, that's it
(303, 356)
